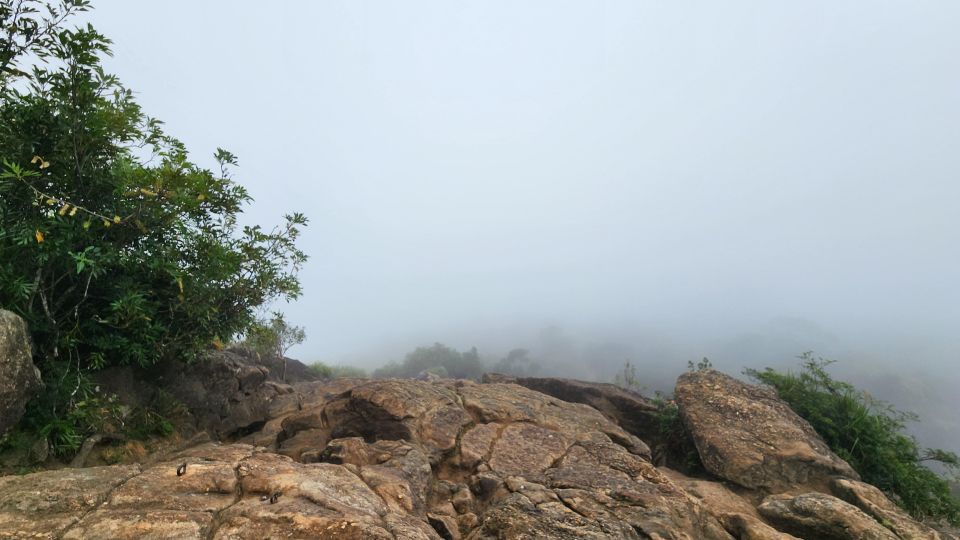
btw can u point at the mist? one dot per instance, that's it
(596, 182)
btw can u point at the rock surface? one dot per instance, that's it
(19, 378)
(631, 411)
(818, 515)
(872, 501)
(231, 392)
(748, 435)
(408, 459)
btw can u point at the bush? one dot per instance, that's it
(518, 363)
(325, 371)
(114, 247)
(465, 365)
(868, 434)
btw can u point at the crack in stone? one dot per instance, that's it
(99, 504)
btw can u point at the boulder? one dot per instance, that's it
(19, 378)
(231, 393)
(747, 435)
(818, 515)
(875, 504)
(631, 411)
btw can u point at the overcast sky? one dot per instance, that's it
(669, 180)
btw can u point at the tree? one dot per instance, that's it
(274, 337)
(465, 365)
(115, 248)
(517, 362)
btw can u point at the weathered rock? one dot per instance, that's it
(818, 515)
(748, 527)
(872, 501)
(631, 411)
(748, 435)
(45, 504)
(507, 403)
(19, 378)
(412, 460)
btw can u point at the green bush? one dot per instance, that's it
(460, 365)
(869, 435)
(114, 247)
(325, 371)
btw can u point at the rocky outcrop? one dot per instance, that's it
(631, 411)
(399, 459)
(748, 435)
(19, 378)
(408, 459)
(232, 392)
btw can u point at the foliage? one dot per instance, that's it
(325, 371)
(273, 337)
(114, 247)
(674, 447)
(460, 365)
(627, 378)
(703, 365)
(517, 362)
(868, 434)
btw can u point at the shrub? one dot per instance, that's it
(868, 434)
(517, 362)
(325, 371)
(465, 365)
(114, 247)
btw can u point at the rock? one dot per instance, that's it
(818, 515)
(748, 435)
(411, 459)
(631, 411)
(875, 504)
(19, 378)
(45, 504)
(747, 527)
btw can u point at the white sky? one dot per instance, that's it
(740, 180)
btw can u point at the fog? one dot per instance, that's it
(594, 181)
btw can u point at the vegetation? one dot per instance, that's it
(274, 337)
(674, 447)
(517, 362)
(627, 378)
(336, 372)
(114, 247)
(439, 359)
(869, 434)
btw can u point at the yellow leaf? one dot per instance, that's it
(147, 192)
(86, 224)
(63, 209)
(36, 159)
(180, 284)
(74, 211)
(201, 197)
(116, 219)
(39, 236)
(51, 201)
(44, 164)
(106, 223)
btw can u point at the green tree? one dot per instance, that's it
(115, 248)
(274, 337)
(465, 365)
(517, 362)
(868, 434)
